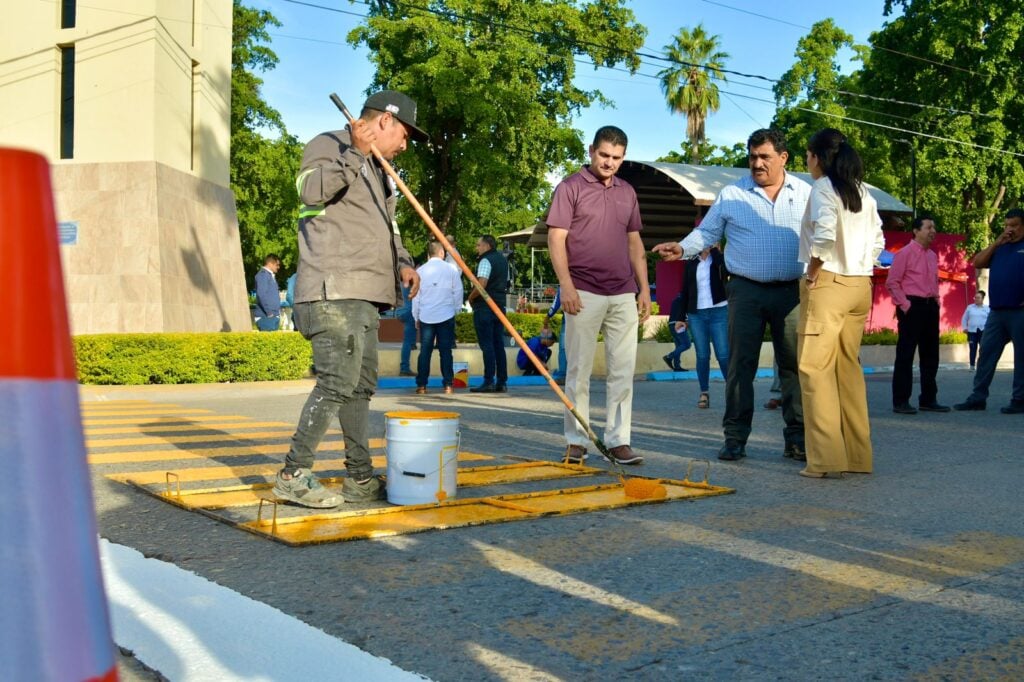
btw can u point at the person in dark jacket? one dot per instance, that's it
(493, 274)
(680, 334)
(268, 297)
(706, 314)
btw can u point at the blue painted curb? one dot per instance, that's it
(435, 382)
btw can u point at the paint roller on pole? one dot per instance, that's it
(638, 488)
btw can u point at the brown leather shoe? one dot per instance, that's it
(574, 454)
(448, 390)
(623, 454)
(421, 390)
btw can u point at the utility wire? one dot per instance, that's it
(661, 58)
(875, 47)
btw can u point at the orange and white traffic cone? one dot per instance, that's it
(54, 623)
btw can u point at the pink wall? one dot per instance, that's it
(956, 282)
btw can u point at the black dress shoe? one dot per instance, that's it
(904, 408)
(795, 451)
(933, 407)
(483, 388)
(970, 406)
(1015, 407)
(501, 388)
(732, 451)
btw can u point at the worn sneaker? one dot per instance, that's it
(623, 454)
(368, 491)
(304, 489)
(575, 454)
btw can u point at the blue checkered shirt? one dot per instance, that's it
(763, 237)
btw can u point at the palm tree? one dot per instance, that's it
(687, 83)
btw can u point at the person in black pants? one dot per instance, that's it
(913, 282)
(493, 274)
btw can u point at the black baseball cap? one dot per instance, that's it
(400, 106)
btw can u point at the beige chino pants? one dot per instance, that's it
(836, 428)
(616, 317)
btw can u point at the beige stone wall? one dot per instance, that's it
(157, 250)
(158, 246)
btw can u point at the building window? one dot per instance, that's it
(67, 13)
(67, 102)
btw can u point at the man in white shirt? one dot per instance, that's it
(973, 324)
(434, 310)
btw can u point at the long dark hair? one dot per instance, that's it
(841, 165)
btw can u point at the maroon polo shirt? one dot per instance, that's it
(599, 219)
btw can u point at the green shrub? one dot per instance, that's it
(662, 333)
(527, 324)
(952, 337)
(879, 337)
(134, 359)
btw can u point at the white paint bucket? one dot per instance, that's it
(422, 453)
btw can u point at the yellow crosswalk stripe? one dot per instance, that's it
(148, 411)
(161, 428)
(133, 456)
(163, 420)
(171, 440)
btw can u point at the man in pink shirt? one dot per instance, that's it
(914, 284)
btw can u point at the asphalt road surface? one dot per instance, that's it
(914, 572)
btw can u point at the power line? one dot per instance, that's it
(875, 47)
(488, 22)
(886, 127)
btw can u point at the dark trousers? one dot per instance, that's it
(918, 330)
(344, 339)
(444, 334)
(752, 306)
(489, 336)
(1002, 327)
(973, 341)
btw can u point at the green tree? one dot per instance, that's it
(496, 96)
(814, 94)
(688, 85)
(263, 169)
(710, 155)
(969, 68)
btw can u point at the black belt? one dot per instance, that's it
(773, 283)
(923, 299)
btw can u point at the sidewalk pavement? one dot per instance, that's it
(913, 572)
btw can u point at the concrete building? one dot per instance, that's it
(130, 101)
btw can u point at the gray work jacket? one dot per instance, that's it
(349, 245)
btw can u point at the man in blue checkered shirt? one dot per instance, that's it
(759, 217)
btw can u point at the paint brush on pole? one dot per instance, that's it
(634, 487)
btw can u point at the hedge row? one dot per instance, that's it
(527, 324)
(133, 359)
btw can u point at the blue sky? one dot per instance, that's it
(315, 60)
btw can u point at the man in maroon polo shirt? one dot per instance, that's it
(594, 239)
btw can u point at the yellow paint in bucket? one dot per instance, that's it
(422, 456)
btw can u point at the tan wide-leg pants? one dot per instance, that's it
(836, 428)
